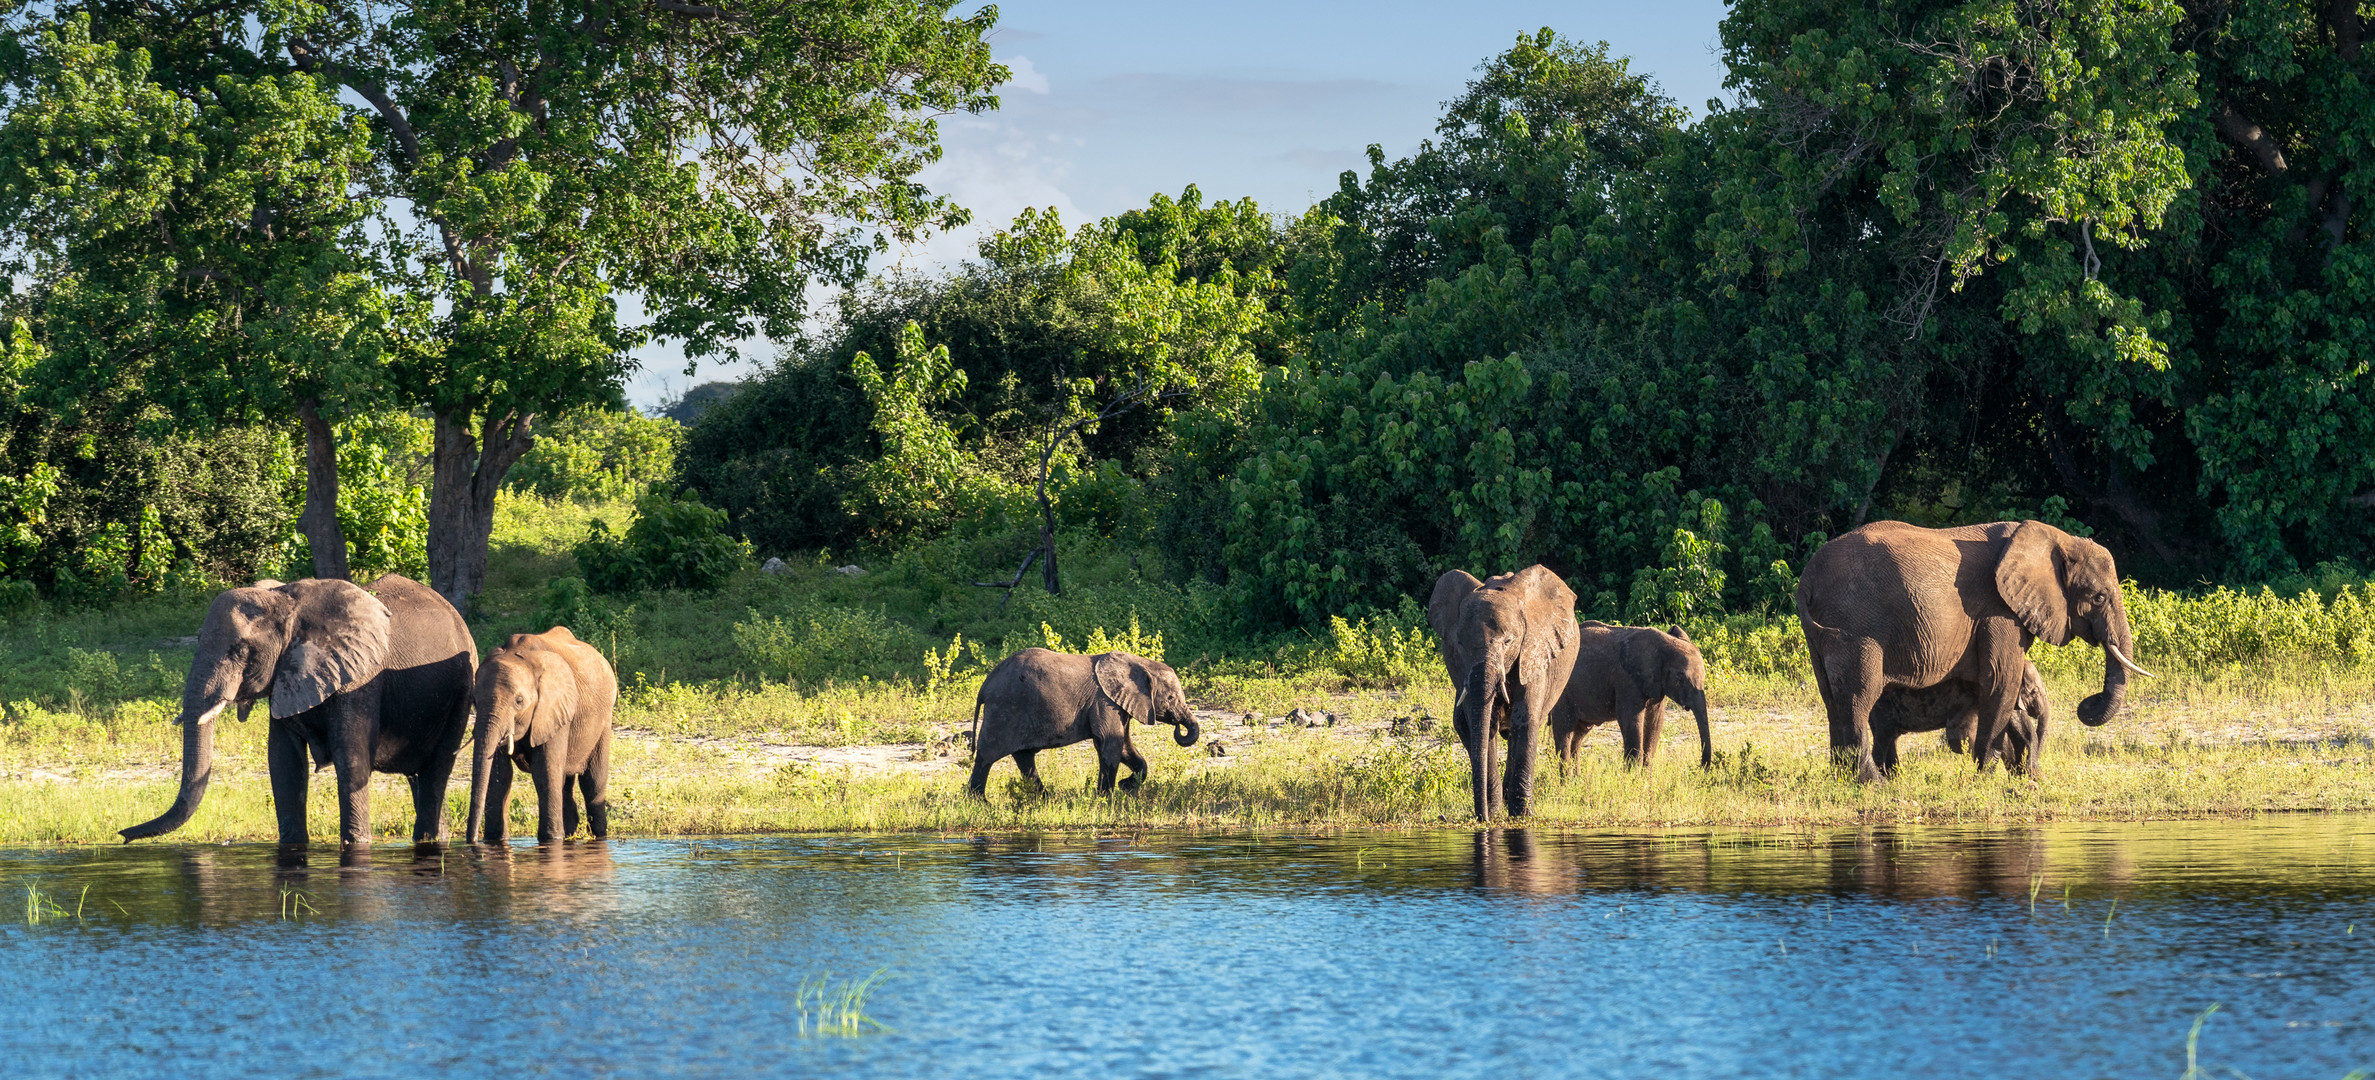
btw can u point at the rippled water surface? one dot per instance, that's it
(2079, 950)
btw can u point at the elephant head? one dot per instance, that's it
(296, 644)
(1668, 665)
(2061, 587)
(526, 693)
(1147, 691)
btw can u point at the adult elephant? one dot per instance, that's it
(1040, 699)
(1626, 674)
(1897, 605)
(1508, 644)
(365, 679)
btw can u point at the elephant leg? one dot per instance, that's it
(286, 757)
(1884, 750)
(1525, 736)
(544, 765)
(568, 807)
(1628, 725)
(1027, 763)
(1864, 679)
(1834, 706)
(1137, 763)
(595, 783)
(1109, 762)
(353, 738)
(1653, 728)
(979, 783)
(498, 809)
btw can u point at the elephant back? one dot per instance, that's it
(425, 628)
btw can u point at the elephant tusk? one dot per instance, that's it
(2123, 659)
(212, 711)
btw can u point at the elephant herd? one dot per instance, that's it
(384, 678)
(1908, 630)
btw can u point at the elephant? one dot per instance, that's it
(1954, 709)
(1897, 605)
(370, 678)
(1040, 699)
(1519, 624)
(1627, 674)
(554, 694)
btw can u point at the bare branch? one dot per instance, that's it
(2249, 135)
(699, 11)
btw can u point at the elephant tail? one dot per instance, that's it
(976, 736)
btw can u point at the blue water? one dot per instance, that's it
(1905, 952)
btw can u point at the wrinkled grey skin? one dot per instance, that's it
(364, 679)
(1039, 699)
(1508, 645)
(1626, 674)
(543, 703)
(1896, 605)
(1954, 709)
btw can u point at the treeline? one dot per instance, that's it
(2104, 264)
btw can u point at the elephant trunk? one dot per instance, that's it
(1698, 707)
(197, 767)
(482, 769)
(1184, 732)
(2119, 643)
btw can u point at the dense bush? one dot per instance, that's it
(673, 543)
(597, 455)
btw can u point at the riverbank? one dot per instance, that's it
(2188, 748)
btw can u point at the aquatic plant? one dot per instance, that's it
(829, 1010)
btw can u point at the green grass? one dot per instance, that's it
(2267, 704)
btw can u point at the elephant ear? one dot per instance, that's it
(1124, 680)
(1542, 648)
(1643, 662)
(1443, 605)
(2029, 578)
(1678, 632)
(556, 695)
(338, 641)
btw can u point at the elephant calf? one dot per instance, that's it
(1954, 709)
(1627, 674)
(1039, 699)
(544, 703)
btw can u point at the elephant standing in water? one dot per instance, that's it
(1895, 605)
(1040, 699)
(365, 679)
(1508, 644)
(544, 702)
(1627, 674)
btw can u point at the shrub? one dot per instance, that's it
(673, 543)
(816, 643)
(597, 455)
(1385, 655)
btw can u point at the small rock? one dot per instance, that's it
(1426, 724)
(1252, 720)
(774, 566)
(1216, 748)
(849, 571)
(1306, 718)
(1332, 718)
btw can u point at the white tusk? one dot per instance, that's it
(212, 711)
(2123, 658)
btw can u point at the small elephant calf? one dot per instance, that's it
(544, 703)
(1040, 699)
(1627, 674)
(1954, 709)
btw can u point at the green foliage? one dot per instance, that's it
(383, 497)
(597, 455)
(1134, 640)
(1048, 327)
(1388, 654)
(674, 543)
(814, 643)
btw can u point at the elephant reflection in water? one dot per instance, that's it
(1512, 859)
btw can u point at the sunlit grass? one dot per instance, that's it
(830, 1009)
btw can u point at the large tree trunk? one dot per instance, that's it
(319, 522)
(467, 468)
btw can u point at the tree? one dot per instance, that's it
(189, 238)
(711, 158)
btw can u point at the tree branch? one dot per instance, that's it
(311, 58)
(2344, 15)
(2250, 136)
(699, 11)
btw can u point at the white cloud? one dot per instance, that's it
(1026, 77)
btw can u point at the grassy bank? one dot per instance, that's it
(738, 706)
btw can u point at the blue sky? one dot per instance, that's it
(1112, 102)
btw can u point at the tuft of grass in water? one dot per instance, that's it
(295, 903)
(829, 1010)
